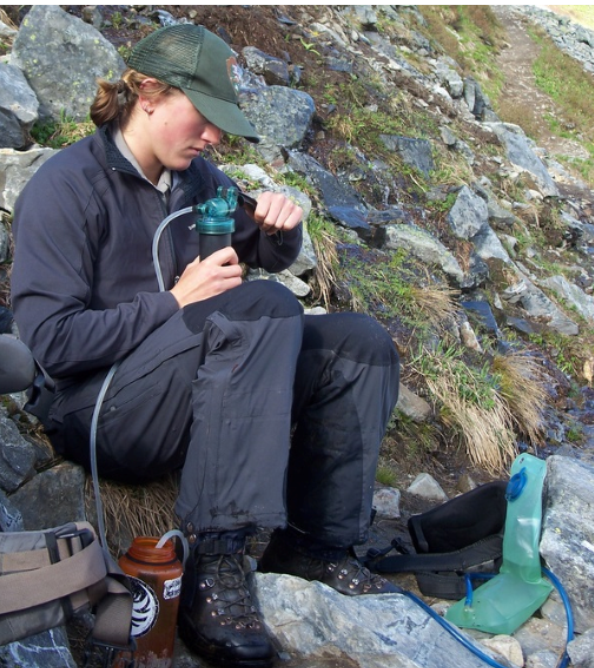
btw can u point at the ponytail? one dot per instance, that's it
(115, 101)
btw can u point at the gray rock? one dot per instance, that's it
(62, 58)
(567, 544)
(575, 296)
(414, 152)
(386, 631)
(581, 650)
(426, 487)
(282, 116)
(413, 406)
(274, 70)
(521, 154)
(425, 247)
(49, 649)
(17, 456)
(16, 168)
(10, 516)
(469, 215)
(53, 497)
(18, 108)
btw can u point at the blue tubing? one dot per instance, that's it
(463, 640)
(568, 613)
(454, 632)
(468, 578)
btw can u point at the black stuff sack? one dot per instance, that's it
(463, 535)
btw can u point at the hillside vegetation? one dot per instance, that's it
(485, 401)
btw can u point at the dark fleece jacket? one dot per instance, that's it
(84, 286)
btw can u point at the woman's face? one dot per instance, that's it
(178, 132)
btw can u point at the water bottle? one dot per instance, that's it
(155, 574)
(214, 223)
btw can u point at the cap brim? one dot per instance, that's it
(225, 115)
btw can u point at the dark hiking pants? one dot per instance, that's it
(272, 416)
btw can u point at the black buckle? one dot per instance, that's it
(374, 553)
(40, 396)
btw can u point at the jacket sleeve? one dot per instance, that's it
(257, 249)
(57, 231)
(270, 252)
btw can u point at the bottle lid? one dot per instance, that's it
(144, 549)
(214, 214)
(215, 226)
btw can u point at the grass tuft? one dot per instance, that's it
(522, 385)
(485, 430)
(134, 510)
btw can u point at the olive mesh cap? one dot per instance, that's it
(201, 64)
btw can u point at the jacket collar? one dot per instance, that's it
(113, 156)
(191, 181)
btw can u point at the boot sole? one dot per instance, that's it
(212, 653)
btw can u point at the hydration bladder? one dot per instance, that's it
(511, 597)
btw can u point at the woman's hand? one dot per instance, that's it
(218, 273)
(275, 213)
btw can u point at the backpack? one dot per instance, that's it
(51, 575)
(460, 536)
(48, 576)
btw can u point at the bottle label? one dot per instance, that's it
(145, 608)
(172, 588)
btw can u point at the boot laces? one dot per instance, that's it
(233, 599)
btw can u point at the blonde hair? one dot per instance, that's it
(116, 100)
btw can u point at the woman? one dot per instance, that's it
(274, 418)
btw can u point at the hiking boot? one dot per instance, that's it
(345, 573)
(222, 624)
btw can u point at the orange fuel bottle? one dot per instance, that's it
(155, 573)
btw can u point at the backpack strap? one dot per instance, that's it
(24, 590)
(449, 586)
(71, 567)
(52, 582)
(441, 575)
(487, 549)
(113, 614)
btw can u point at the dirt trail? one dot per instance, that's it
(516, 63)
